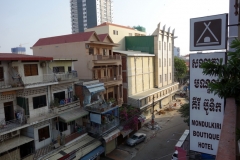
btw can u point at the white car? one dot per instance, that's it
(136, 138)
(175, 155)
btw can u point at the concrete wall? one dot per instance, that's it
(140, 75)
(64, 64)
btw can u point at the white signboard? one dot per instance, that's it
(206, 109)
(208, 33)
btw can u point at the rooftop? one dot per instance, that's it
(116, 25)
(135, 53)
(77, 37)
(22, 57)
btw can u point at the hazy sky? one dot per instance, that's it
(25, 21)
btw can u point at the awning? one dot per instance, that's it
(125, 133)
(112, 135)
(77, 149)
(14, 142)
(93, 154)
(73, 115)
(94, 88)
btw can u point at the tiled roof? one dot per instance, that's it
(77, 37)
(102, 37)
(107, 24)
(22, 57)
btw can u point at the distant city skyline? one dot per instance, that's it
(24, 22)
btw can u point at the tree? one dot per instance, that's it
(185, 112)
(228, 75)
(180, 68)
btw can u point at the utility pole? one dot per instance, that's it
(153, 104)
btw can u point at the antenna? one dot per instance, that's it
(20, 45)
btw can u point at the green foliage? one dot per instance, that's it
(228, 75)
(180, 68)
(185, 112)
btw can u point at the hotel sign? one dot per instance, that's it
(206, 109)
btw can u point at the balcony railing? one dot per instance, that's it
(35, 80)
(64, 105)
(109, 57)
(103, 127)
(109, 79)
(99, 108)
(12, 124)
(11, 83)
(66, 76)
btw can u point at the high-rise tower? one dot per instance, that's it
(90, 13)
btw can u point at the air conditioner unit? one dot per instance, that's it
(87, 46)
(15, 133)
(43, 64)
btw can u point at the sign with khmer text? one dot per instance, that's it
(206, 109)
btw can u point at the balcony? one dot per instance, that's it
(13, 82)
(101, 59)
(64, 105)
(99, 107)
(66, 76)
(12, 124)
(111, 80)
(100, 129)
(39, 80)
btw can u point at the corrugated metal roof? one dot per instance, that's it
(78, 37)
(22, 57)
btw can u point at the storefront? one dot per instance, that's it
(94, 154)
(111, 141)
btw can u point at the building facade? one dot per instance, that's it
(90, 13)
(39, 114)
(117, 33)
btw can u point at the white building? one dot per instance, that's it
(90, 13)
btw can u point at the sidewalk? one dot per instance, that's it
(124, 152)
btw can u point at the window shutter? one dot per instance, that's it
(27, 70)
(34, 69)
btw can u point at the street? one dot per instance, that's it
(159, 144)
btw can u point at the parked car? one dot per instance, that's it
(175, 155)
(136, 138)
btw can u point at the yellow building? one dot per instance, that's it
(116, 32)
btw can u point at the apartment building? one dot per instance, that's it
(100, 71)
(148, 70)
(117, 33)
(39, 114)
(90, 13)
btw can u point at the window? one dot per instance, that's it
(170, 76)
(104, 52)
(58, 69)
(59, 97)
(115, 32)
(159, 62)
(164, 62)
(69, 69)
(160, 45)
(43, 133)
(91, 51)
(1, 74)
(62, 126)
(165, 77)
(39, 101)
(169, 46)
(160, 79)
(130, 34)
(164, 46)
(169, 61)
(30, 69)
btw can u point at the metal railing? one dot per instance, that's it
(66, 76)
(45, 78)
(8, 125)
(99, 108)
(109, 57)
(103, 127)
(109, 79)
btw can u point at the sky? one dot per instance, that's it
(23, 22)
